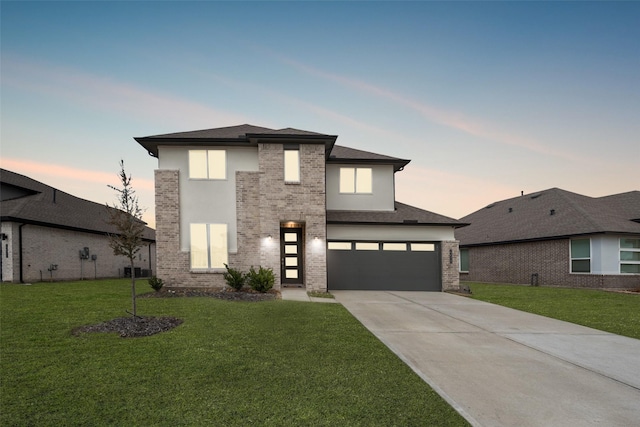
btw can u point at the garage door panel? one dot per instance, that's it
(384, 270)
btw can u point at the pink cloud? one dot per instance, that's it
(434, 114)
(451, 194)
(31, 168)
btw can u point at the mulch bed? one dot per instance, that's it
(128, 327)
(141, 326)
(225, 294)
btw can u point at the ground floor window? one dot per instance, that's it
(208, 245)
(630, 256)
(464, 260)
(581, 255)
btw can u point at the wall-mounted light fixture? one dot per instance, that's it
(3, 236)
(269, 238)
(450, 256)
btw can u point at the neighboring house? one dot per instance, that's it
(556, 238)
(318, 214)
(51, 235)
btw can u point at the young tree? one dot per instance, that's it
(126, 217)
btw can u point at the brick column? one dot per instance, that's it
(450, 266)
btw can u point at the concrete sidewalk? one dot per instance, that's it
(300, 294)
(503, 367)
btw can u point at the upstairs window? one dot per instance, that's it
(630, 256)
(581, 255)
(356, 180)
(207, 164)
(291, 165)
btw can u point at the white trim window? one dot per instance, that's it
(630, 255)
(208, 246)
(581, 255)
(356, 180)
(207, 164)
(291, 165)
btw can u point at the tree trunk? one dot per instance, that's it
(133, 288)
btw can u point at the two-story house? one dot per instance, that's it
(320, 215)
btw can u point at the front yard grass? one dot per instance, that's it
(230, 363)
(618, 313)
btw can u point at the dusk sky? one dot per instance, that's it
(487, 99)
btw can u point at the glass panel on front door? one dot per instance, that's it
(291, 254)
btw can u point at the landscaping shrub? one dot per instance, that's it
(234, 278)
(261, 280)
(155, 283)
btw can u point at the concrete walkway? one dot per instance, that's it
(300, 294)
(503, 367)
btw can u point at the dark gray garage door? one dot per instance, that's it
(410, 266)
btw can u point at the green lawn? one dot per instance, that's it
(607, 311)
(229, 363)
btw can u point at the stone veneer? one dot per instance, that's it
(516, 262)
(263, 202)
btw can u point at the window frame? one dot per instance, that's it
(354, 188)
(298, 171)
(213, 252)
(463, 258)
(572, 258)
(632, 250)
(208, 166)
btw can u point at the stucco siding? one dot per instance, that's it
(381, 198)
(389, 232)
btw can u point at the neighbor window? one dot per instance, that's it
(630, 256)
(292, 165)
(208, 245)
(207, 164)
(581, 256)
(356, 180)
(464, 260)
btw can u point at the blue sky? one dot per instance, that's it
(487, 98)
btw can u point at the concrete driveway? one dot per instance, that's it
(503, 367)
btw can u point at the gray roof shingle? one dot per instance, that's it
(47, 206)
(549, 214)
(340, 154)
(402, 215)
(231, 135)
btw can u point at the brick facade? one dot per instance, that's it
(302, 203)
(44, 246)
(450, 263)
(263, 203)
(550, 259)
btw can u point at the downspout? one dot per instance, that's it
(150, 271)
(20, 244)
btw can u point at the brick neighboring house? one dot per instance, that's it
(555, 238)
(320, 215)
(48, 234)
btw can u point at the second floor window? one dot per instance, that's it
(291, 165)
(207, 164)
(356, 180)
